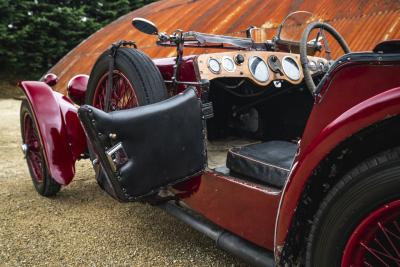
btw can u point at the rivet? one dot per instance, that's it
(99, 134)
(93, 121)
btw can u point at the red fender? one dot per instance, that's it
(360, 116)
(59, 128)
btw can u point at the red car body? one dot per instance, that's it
(359, 99)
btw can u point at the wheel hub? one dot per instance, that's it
(122, 96)
(25, 149)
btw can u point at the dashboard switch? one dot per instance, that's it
(275, 65)
(239, 59)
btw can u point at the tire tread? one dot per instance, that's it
(372, 173)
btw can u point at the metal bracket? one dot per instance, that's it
(207, 110)
(112, 53)
(116, 156)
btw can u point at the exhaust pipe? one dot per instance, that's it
(248, 252)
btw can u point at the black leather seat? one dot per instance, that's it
(267, 163)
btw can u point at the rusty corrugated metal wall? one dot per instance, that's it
(363, 23)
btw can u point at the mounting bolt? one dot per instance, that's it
(113, 136)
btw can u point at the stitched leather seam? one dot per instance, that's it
(263, 163)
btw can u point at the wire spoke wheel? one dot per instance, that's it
(34, 154)
(122, 95)
(376, 240)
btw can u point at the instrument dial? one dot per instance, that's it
(258, 69)
(228, 64)
(322, 66)
(291, 68)
(213, 65)
(312, 65)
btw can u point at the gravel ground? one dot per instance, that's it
(82, 225)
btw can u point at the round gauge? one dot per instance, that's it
(291, 68)
(258, 69)
(228, 64)
(214, 65)
(322, 66)
(312, 65)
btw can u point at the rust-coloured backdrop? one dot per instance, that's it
(362, 23)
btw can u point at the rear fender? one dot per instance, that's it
(369, 112)
(59, 128)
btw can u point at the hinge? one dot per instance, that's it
(207, 110)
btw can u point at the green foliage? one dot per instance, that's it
(35, 34)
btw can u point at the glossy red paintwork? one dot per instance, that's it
(76, 88)
(358, 95)
(50, 79)
(62, 145)
(381, 225)
(187, 71)
(72, 125)
(240, 207)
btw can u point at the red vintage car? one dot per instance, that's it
(280, 153)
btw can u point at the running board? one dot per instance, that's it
(248, 252)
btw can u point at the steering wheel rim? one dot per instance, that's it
(303, 50)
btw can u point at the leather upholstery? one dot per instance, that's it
(164, 143)
(267, 163)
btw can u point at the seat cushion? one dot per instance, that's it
(267, 162)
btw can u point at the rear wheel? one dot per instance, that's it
(358, 223)
(44, 184)
(136, 82)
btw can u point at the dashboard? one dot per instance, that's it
(260, 67)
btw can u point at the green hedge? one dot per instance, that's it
(35, 34)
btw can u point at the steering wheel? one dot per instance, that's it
(303, 49)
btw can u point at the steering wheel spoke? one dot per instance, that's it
(307, 69)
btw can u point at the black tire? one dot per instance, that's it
(48, 187)
(370, 185)
(140, 71)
